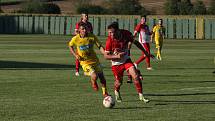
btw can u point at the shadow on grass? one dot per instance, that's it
(16, 65)
(134, 107)
(167, 102)
(185, 94)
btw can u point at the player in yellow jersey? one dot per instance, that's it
(84, 43)
(158, 33)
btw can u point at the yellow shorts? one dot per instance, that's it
(90, 68)
(159, 43)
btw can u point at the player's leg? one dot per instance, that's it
(129, 78)
(148, 64)
(103, 83)
(90, 71)
(161, 45)
(137, 81)
(118, 74)
(77, 65)
(140, 59)
(93, 78)
(157, 44)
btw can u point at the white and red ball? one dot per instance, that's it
(108, 102)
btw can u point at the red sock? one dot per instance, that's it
(117, 85)
(141, 58)
(77, 64)
(138, 85)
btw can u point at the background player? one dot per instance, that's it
(144, 39)
(158, 33)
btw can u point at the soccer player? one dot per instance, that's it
(117, 43)
(144, 39)
(89, 28)
(84, 43)
(158, 33)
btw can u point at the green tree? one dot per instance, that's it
(51, 8)
(127, 7)
(91, 9)
(186, 7)
(211, 9)
(0, 9)
(199, 8)
(33, 6)
(171, 7)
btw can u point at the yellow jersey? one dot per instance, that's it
(85, 48)
(159, 32)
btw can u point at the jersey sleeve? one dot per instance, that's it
(154, 29)
(108, 46)
(76, 25)
(72, 42)
(91, 27)
(137, 28)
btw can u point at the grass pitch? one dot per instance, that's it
(37, 83)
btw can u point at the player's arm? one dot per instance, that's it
(152, 34)
(141, 47)
(109, 56)
(135, 33)
(136, 30)
(164, 33)
(99, 45)
(76, 29)
(72, 51)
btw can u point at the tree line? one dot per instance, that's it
(121, 7)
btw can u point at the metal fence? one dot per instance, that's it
(177, 27)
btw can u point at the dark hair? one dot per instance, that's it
(160, 20)
(82, 24)
(117, 34)
(114, 25)
(144, 16)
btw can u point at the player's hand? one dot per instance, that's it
(79, 58)
(129, 52)
(120, 54)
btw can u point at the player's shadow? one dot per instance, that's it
(16, 65)
(167, 102)
(134, 107)
(179, 94)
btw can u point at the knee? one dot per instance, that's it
(118, 83)
(94, 76)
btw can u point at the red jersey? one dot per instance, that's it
(119, 45)
(89, 26)
(144, 33)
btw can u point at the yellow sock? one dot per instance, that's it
(104, 90)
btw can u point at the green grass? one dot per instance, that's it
(37, 83)
(10, 1)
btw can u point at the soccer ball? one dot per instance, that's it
(108, 102)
